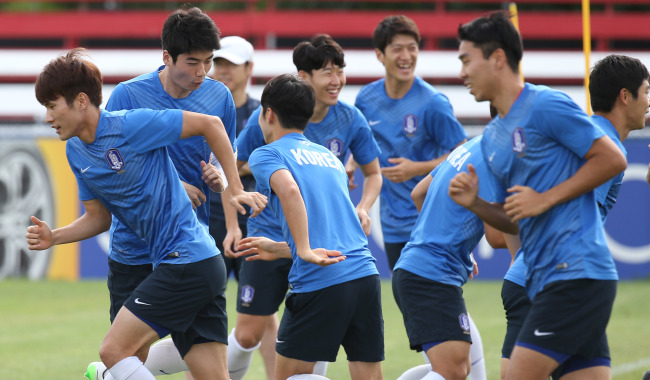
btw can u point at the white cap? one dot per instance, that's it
(235, 49)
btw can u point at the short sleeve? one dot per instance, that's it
(363, 145)
(263, 163)
(442, 125)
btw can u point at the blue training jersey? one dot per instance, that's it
(343, 128)
(146, 91)
(445, 232)
(605, 195)
(420, 126)
(332, 220)
(128, 169)
(540, 143)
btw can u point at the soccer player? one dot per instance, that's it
(434, 265)
(188, 39)
(335, 125)
(233, 66)
(334, 305)
(546, 156)
(123, 169)
(618, 88)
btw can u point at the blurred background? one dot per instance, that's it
(123, 38)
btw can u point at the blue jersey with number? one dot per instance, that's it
(420, 126)
(146, 91)
(332, 220)
(445, 232)
(128, 169)
(540, 143)
(607, 192)
(343, 128)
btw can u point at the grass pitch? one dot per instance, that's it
(51, 330)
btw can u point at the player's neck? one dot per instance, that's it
(90, 121)
(240, 97)
(618, 120)
(397, 89)
(320, 111)
(506, 94)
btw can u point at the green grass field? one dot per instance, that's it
(51, 330)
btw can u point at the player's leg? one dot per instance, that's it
(393, 251)
(415, 373)
(526, 363)
(365, 370)
(476, 355)
(286, 367)
(164, 358)
(262, 287)
(126, 336)
(516, 305)
(450, 359)
(267, 347)
(201, 361)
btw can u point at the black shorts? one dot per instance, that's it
(433, 312)
(516, 304)
(568, 319)
(186, 300)
(263, 286)
(122, 281)
(315, 324)
(393, 252)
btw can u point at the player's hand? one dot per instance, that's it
(351, 184)
(233, 236)
(260, 248)
(255, 200)
(365, 221)
(39, 235)
(321, 256)
(212, 177)
(524, 203)
(403, 170)
(475, 267)
(463, 188)
(196, 196)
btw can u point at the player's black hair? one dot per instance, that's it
(610, 75)
(494, 31)
(317, 53)
(67, 76)
(187, 31)
(291, 99)
(391, 26)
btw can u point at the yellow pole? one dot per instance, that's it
(514, 16)
(586, 47)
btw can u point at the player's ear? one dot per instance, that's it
(167, 58)
(380, 56)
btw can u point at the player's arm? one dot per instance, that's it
(372, 181)
(293, 206)
(211, 127)
(463, 189)
(604, 160)
(94, 221)
(420, 191)
(262, 248)
(233, 232)
(405, 169)
(350, 168)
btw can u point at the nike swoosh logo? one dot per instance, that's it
(542, 333)
(85, 170)
(279, 341)
(374, 122)
(137, 300)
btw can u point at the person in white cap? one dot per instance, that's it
(233, 66)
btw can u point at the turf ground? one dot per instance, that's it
(51, 330)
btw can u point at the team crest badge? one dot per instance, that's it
(410, 125)
(335, 146)
(247, 294)
(518, 140)
(463, 320)
(114, 159)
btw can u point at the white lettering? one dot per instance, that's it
(297, 155)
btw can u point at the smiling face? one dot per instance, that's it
(235, 77)
(187, 73)
(475, 71)
(399, 58)
(638, 108)
(64, 118)
(327, 83)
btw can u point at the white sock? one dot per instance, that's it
(433, 376)
(320, 368)
(307, 376)
(130, 368)
(478, 371)
(164, 358)
(415, 373)
(239, 358)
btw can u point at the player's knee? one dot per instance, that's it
(249, 340)
(109, 353)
